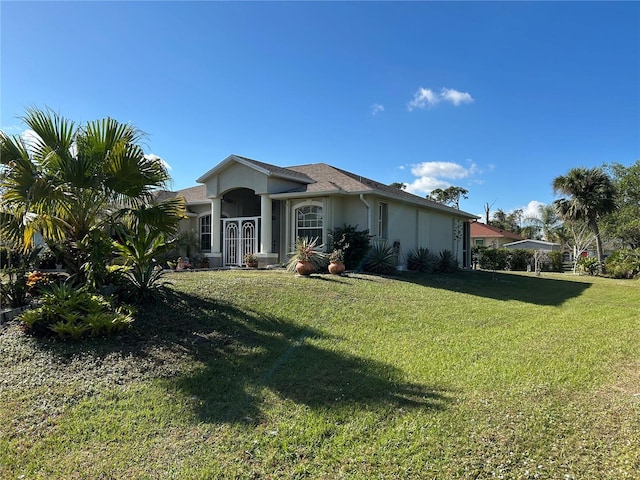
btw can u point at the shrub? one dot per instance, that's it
(422, 260)
(144, 275)
(447, 262)
(73, 313)
(38, 282)
(15, 288)
(624, 263)
(380, 258)
(354, 243)
(588, 265)
(557, 261)
(519, 259)
(493, 259)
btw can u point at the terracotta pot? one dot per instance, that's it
(336, 268)
(304, 268)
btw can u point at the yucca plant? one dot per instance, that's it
(308, 250)
(380, 258)
(422, 260)
(447, 262)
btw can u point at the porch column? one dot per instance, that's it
(216, 209)
(265, 224)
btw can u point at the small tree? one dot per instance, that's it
(355, 244)
(449, 196)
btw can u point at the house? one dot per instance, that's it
(246, 206)
(483, 235)
(529, 244)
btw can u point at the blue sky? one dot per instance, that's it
(498, 98)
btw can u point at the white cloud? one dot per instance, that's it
(532, 209)
(30, 137)
(423, 98)
(152, 156)
(442, 169)
(455, 96)
(427, 98)
(376, 108)
(432, 175)
(424, 185)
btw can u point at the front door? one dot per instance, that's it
(239, 236)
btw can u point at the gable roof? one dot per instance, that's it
(317, 179)
(487, 231)
(264, 168)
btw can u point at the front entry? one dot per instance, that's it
(239, 237)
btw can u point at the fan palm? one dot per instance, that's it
(590, 195)
(69, 181)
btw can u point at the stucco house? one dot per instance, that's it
(484, 235)
(246, 206)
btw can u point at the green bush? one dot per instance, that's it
(353, 242)
(519, 259)
(15, 288)
(72, 313)
(588, 265)
(624, 263)
(557, 261)
(422, 260)
(493, 259)
(381, 258)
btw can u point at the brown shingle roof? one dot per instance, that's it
(320, 178)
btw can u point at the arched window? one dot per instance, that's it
(309, 222)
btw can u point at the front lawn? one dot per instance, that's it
(255, 374)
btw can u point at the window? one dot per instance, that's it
(479, 242)
(205, 233)
(309, 222)
(383, 221)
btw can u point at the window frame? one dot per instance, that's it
(202, 233)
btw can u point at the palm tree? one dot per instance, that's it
(545, 221)
(590, 195)
(73, 184)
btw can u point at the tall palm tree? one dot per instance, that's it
(71, 184)
(590, 194)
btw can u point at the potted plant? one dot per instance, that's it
(307, 257)
(336, 261)
(251, 260)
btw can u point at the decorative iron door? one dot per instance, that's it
(240, 236)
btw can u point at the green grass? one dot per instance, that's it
(268, 375)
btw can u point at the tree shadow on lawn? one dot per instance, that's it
(242, 352)
(532, 289)
(238, 353)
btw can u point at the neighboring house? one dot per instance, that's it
(483, 235)
(244, 206)
(534, 245)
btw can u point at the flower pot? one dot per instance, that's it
(336, 268)
(304, 268)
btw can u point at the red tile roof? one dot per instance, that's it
(482, 230)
